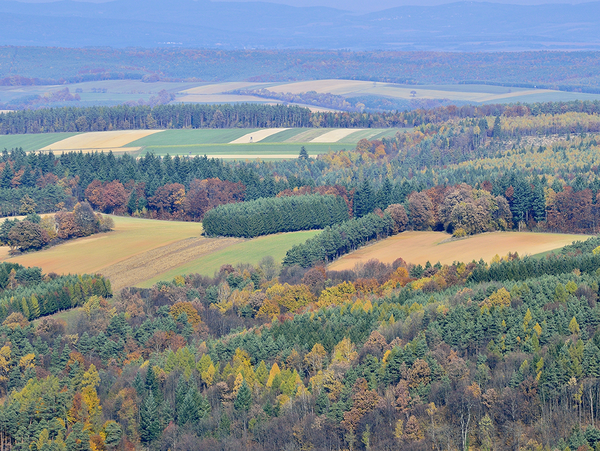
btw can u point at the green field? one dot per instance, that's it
(252, 251)
(213, 142)
(144, 251)
(182, 138)
(32, 142)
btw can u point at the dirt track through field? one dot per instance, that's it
(151, 263)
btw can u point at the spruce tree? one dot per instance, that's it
(149, 420)
(243, 400)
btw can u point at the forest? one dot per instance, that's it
(499, 355)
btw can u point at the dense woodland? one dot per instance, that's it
(186, 116)
(498, 356)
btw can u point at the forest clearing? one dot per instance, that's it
(421, 247)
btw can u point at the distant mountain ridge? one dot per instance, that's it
(462, 26)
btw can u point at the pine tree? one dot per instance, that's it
(303, 154)
(149, 420)
(243, 400)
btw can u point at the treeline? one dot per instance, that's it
(274, 215)
(179, 116)
(124, 117)
(339, 239)
(26, 292)
(182, 188)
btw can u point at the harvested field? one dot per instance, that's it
(100, 140)
(257, 136)
(131, 237)
(144, 251)
(224, 98)
(154, 262)
(420, 247)
(218, 88)
(323, 86)
(335, 135)
(248, 251)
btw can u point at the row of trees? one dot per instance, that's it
(125, 117)
(340, 239)
(274, 215)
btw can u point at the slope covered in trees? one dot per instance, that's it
(499, 355)
(382, 357)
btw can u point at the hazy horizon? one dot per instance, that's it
(360, 5)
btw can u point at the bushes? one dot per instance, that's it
(273, 215)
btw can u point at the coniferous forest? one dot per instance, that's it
(292, 355)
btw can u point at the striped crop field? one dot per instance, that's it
(275, 143)
(31, 142)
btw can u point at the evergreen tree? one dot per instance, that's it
(149, 420)
(243, 399)
(303, 154)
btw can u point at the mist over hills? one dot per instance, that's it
(462, 26)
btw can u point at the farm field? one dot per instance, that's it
(113, 92)
(31, 142)
(420, 247)
(96, 141)
(131, 236)
(249, 251)
(237, 143)
(463, 93)
(139, 250)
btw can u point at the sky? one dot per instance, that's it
(367, 6)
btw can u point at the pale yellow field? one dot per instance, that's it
(100, 140)
(357, 87)
(335, 135)
(223, 98)
(257, 136)
(221, 87)
(323, 86)
(131, 237)
(406, 93)
(420, 247)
